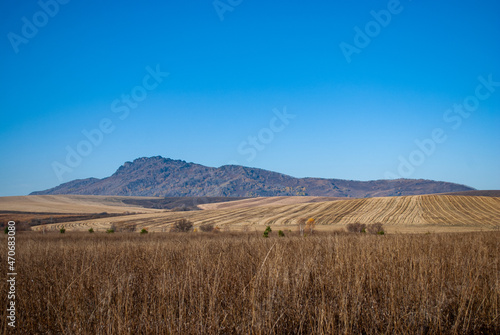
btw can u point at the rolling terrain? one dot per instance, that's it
(426, 211)
(71, 204)
(480, 193)
(44, 209)
(266, 201)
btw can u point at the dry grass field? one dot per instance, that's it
(70, 204)
(398, 214)
(228, 283)
(267, 201)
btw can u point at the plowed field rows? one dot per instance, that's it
(442, 210)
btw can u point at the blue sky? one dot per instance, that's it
(293, 87)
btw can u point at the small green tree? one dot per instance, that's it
(6, 230)
(62, 230)
(144, 231)
(267, 231)
(281, 233)
(91, 230)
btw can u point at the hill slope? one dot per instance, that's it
(158, 176)
(70, 204)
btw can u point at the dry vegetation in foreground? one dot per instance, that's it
(208, 283)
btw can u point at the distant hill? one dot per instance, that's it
(164, 177)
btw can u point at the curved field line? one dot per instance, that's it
(411, 210)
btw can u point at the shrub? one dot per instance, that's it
(91, 230)
(36, 222)
(129, 229)
(182, 226)
(207, 227)
(23, 226)
(302, 222)
(267, 231)
(356, 227)
(144, 231)
(310, 224)
(375, 228)
(62, 230)
(110, 231)
(281, 233)
(6, 230)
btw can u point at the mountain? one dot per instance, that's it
(158, 176)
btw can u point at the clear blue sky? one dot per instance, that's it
(359, 101)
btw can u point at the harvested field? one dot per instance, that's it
(71, 204)
(81, 283)
(421, 212)
(478, 193)
(267, 201)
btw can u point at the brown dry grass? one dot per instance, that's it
(70, 204)
(190, 283)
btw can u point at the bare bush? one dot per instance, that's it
(375, 228)
(128, 229)
(123, 229)
(23, 226)
(301, 225)
(182, 226)
(310, 224)
(356, 227)
(207, 227)
(20, 226)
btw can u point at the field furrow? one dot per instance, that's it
(443, 210)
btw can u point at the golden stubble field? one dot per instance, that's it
(69, 204)
(445, 280)
(243, 283)
(425, 213)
